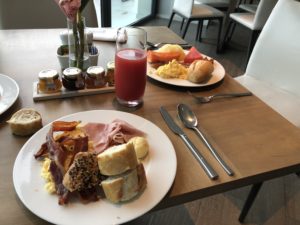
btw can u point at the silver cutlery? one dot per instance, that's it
(189, 119)
(206, 99)
(177, 130)
(157, 45)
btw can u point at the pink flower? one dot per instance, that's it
(69, 7)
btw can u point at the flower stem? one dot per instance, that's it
(78, 33)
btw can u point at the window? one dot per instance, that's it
(118, 13)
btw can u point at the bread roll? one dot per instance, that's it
(125, 186)
(200, 70)
(83, 172)
(117, 159)
(141, 146)
(25, 122)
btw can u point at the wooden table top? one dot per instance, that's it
(254, 140)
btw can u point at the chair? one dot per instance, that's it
(253, 21)
(272, 73)
(218, 4)
(248, 7)
(199, 12)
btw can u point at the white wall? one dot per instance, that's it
(23, 14)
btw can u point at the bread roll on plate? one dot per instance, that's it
(117, 159)
(25, 122)
(125, 186)
(200, 70)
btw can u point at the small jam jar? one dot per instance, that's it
(73, 79)
(95, 77)
(49, 81)
(110, 73)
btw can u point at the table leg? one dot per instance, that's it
(249, 201)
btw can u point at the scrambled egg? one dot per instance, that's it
(45, 173)
(172, 70)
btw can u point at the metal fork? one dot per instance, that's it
(206, 99)
(157, 45)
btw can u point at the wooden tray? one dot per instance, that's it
(64, 93)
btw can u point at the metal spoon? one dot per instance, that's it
(189, 119)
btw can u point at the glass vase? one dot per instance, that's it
(78, 46)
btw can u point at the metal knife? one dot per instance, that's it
(177, 130)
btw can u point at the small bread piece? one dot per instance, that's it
(117, 159)
(125, 186)
(83, 172)
(141, 146)
(25, 122)
(200, 70)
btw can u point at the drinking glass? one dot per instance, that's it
(130, 66)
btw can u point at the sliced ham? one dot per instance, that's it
(106, 135)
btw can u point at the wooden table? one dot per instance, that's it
(256, 141)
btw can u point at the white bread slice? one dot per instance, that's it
(117, 159)
(125, 186)
(25, 122)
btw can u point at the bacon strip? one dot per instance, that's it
(61, 191)
(42, 152)
(62, 153)
(64, 126)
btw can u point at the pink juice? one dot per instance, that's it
(130, 74)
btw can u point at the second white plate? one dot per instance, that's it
(9, 92)
(216, 76)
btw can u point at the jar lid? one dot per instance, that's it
(95, 71)
(48, 74)
(110, 65)
(72, 72)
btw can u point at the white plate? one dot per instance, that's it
(160, 166)
(217, 75)
(9, 92)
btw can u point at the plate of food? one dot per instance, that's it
(172, 65)
(81, 169)
(9, 92)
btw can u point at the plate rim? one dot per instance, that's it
(15, 97)
(46, 127)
